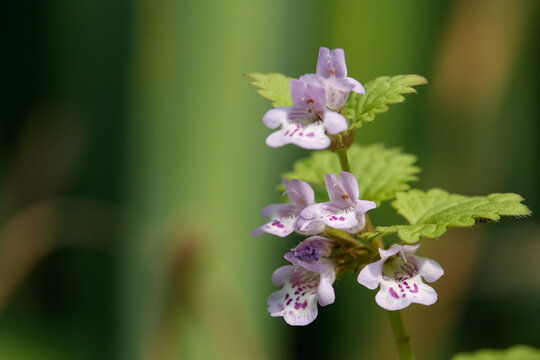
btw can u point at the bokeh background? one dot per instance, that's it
(133, 168)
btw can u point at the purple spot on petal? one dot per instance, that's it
(415, 289)
(289, 302)
(311, 134)
(286, 296)
(341, 218)
(286, 132)
(298, 306)
(301, 134)
(402, 295)
(393, 293)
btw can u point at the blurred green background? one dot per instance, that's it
(133, 168)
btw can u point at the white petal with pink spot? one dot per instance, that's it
(399, 274)
(310, 136)
(297, 300)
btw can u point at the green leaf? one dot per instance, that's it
(380, 93)
(517, 352)
(274, 87)
(431, 213)
(380, 172)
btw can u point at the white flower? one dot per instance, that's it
(306, 282)
(399, 273)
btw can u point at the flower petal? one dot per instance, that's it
(326, 292)
(280, 226)
(363, 206)
(385, 254)
(277, 210)
(338, 63)
(275, 117)
(306, 91)
(281, 274)
(371, 275)
(308, 137)
(337, 92)
(343, 192)
(358, 88)
(429, 269)
(358, 227)
(299, 192)
(324, 62)
(313, 228)
(328, 214)
(297, 301)
(333, 122)
(394, 296)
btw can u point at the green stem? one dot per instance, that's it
(343, 237)
(400, 336)
(343, 160)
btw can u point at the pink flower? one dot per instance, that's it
(283, 216)
(306, 282)
(332, 76)
(305, 122)
(343, 211)
(399, 274)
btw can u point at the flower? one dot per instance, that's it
(304, 124)
(283, 216)
(307, 281)
(399, 273)
(343, 211)
(332, 76)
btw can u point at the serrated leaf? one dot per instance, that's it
(380, 172)
(431, 213)
(274, 87)
(517, 352)
(380, 93)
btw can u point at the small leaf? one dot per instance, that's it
(380, 172)
(517, 352)
(274, 87)
(380, 93)
(431, 213)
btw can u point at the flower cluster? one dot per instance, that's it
(310, 277)
(344, 210)
(317, 100)
(336, 226)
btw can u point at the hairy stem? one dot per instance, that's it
(400, 335)
(343, 160)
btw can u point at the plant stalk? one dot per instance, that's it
(343, 160)
(400, 335)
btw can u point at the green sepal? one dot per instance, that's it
(369, 236)
(380, 93)
(380, 172)
(274, 87)
(431, 213)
